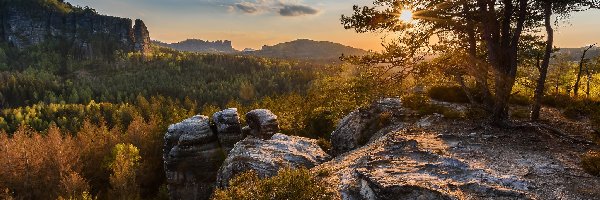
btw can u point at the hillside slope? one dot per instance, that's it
(575, 53)
(304, 49)
(200, 46)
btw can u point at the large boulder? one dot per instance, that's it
(262, 123)
(366, 124)
(229, 128)
(267, 157)
(406, 165)
(192, 157)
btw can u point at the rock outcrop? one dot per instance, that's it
(30, 22)
(141, 36)
(192, 156)
(229, 128)
(262, 123)
(402, 165)
(391, 153)
(431, 157)
(195, 149)
(365, 124)
(267, 157)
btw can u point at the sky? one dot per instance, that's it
(254, 23)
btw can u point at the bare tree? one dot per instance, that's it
(582, 61)
(543, 68)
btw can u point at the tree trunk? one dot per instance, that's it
(581, 62)
(539, 90)
(480, 71)
(588, 80)
(504, 84)
(503, 45)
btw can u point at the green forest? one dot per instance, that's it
(73, 128)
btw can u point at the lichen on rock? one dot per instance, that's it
(267, 157)
(192, 156)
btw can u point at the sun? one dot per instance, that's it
(406, 16)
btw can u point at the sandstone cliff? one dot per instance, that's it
(27, 23)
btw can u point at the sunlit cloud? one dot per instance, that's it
(278, 7)
(246, 7)
(297, 10)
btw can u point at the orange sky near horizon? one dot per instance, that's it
(254, 23)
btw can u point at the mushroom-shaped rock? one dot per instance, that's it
(229, 128)
(267, 157)
(192, 156)
(262, 123)
(366, 124)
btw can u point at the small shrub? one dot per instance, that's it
(451, 114)
(556, 101)
(476, 113)
(324, 144)
(323, 172)
(591, 162)
(297, 184)
(518, 99)
(520, 113)
(414, 101)
(580, 108)
(421, 104)
(454, 94)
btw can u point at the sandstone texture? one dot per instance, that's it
(28, 23)
(365, 124)
(267, 157)
(262, 123)
(388, 152)
(431, 157)
(229, 128)
(192, 156)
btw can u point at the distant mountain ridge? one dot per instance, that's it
(305, 49)
(200, 46)
(301, 49)
(575, 53)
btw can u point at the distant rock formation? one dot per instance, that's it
(142, 37)
(267, 157)
(301, 49)
(200, 46)
(27, 23)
